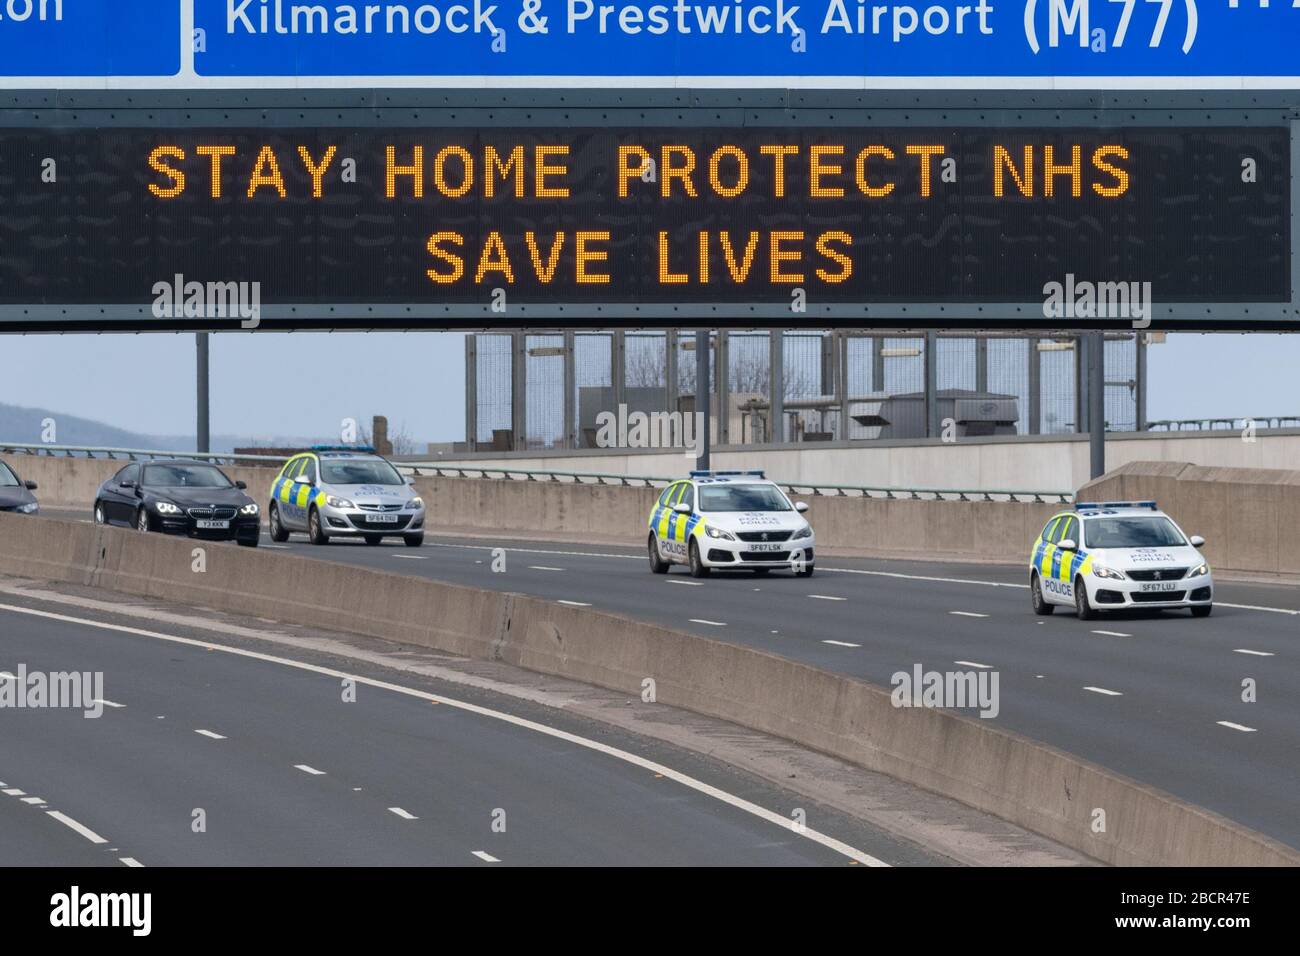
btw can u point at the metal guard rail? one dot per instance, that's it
(421, 469)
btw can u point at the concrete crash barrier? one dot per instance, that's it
(1245, 514)
(1007, 775)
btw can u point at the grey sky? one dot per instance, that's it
(268, 384)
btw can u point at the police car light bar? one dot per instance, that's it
(726, 474)
(1088, 505)
(363, 449)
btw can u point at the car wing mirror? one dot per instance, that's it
(801, 506)
(1068, 544)
(1197, 541)
(29, 485)
(241, 485)
(682, 508)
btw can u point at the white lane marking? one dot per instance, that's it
(839, 643)
(107, 703)
(131, 862)
(278, 547)
(574, 603)
(311, 770)
(689, 584)
(85, 831)
(408, 557)
(6, 676)
(33, 799)
(826, 597)
(1244, 729)
(1113, 633)
(402, 813)
(1242, 650)
(208, 733)
(700, 620)
(685, 780)
(542, 567)
(983, 667)
(1102, 690)
(14, 792)
(575, 554)
(924, 577)
(967, 614)
(1257, 607)
(486, 857)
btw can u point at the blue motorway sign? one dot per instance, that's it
(89, 38)
(751, 41)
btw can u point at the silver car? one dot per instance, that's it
(343, 492)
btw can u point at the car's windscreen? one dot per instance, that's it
(742, 498)
(184, 476)
(363, 472)
(1153, 532)
(7, 478)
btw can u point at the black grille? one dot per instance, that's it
(764, 535)
(717, 554)
(213, 514)
(365, 524)
(765, 555)
(1156, 597)
(1156, 574)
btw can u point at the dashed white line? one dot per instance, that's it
(841, 643)
(107, 703)
(14, 792)
(689, 584)
(278, 547)
(33, 799)
(574, 603)
(1257, 607)
(409, 557)
(1102, 690)
(983, 667)
(1243, 650)
(311, 770)
(72, 824)
(826, 597)
(1229, 724)
(402, 813)
(700, 620)
(131, 862)
(1112, 633)
(209, 733)
(542, 567)
(967, 614)
(486, 857)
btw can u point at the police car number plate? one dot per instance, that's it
(766, 547)
(1159, 586)
(213, 525)
(381, 519)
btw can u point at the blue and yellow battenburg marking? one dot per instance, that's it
(297, 495)
(1055, 564)
(671, 526)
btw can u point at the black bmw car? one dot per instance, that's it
(16, 494)
(179, 497)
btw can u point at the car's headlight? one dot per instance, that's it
(29, 509)
(339, 502)
(416, 503)
(719, 533)
(250, 509)
(167, 508)
(804, 532)
(1203, 570)
(1104, 572)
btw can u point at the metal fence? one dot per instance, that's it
(555, 390)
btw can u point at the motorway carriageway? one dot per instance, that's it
(1155, 696)
(287, 773)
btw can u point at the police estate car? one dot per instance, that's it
(729, 519)
(344, 491)
(1118, 554)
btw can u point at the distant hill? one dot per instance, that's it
(19, 424)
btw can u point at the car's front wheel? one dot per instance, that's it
(248, 542)
(315, 533)
(374, 540)
(1202, 610)
(1082, 606)
(142, 520)
(1041, 607)
(279, 533)
(414, 540)
(657, 564)
(698, 567)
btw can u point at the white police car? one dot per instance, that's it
(344, 492)
(1118, 554)
(729, 519)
